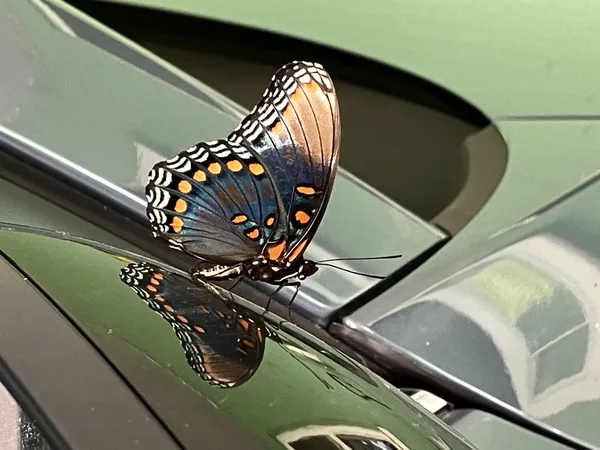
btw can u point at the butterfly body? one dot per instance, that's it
(250, 204)
(261, 269)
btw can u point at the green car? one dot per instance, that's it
(481, 336)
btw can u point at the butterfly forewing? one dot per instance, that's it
(295, 130)
(222, 345)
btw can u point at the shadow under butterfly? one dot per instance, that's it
(250, 204)
(224, 343)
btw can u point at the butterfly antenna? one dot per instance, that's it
(360, 259)
(368, 275)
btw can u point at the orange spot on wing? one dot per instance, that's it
(259, 334)
(298, 251)
(168, 308)
(203, 309)
(158, 276)
(159, 298)
(214, 168)
(182, 319)
(199, 329)
(270, 221)
(274, 252)
(177, 224)
(248, 343)
(220, 314)
(199, 176)
(312, 87)
(302, 217)
(240, 218)
(184, 187)
(180, 205)
(245, 324)
(254, 234)
(234, 166)
(295, 97)
(151, 288)
(154, 281)
(278, 128)
(256, 169)
(305, 190)
(241, 351)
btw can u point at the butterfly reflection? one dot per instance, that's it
(223, 343)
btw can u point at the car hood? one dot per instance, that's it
(517, 318)
(300, 388)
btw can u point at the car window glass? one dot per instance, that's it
(17, 431)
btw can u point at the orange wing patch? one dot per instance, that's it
(234, 165)
(298, 251)
(184, 187)
(270, 221)
(256, 169)
(278, 128)
(200, 176)
(306, 190)
(312, 87)
(253, 234)
(274, 252)
(177, 224)
(302, 217)
(181, 205)
(240, 218)
(214, 168)
(182, 319)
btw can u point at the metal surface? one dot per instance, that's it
(62, 381)
(101, 129)
(527, 68)
(489, 432)
(517, 318)
(302, 386)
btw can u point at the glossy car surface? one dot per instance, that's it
(85, 113)
(301, 389)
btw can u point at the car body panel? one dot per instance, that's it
(516, 318)
(529, 82)
(297, 384)
(103, 129)
(49, 368)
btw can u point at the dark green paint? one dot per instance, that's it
(292, 388)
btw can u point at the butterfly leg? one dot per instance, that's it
(297, 286)
(280, 287)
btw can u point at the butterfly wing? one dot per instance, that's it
(213, 200)
(295, 132)
(223, 346)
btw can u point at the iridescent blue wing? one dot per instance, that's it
(223, 345)
(295, 132)
(214, 201)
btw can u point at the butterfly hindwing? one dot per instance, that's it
(214, 201)
(295, 131)
(223, 346)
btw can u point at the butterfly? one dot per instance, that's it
(250, 204)
(223, 343)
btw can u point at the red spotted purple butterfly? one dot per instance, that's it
(223, 343)
(250, 204)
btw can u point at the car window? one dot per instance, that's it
(17, 430)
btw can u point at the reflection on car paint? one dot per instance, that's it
(222, 342)
(340, 437)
